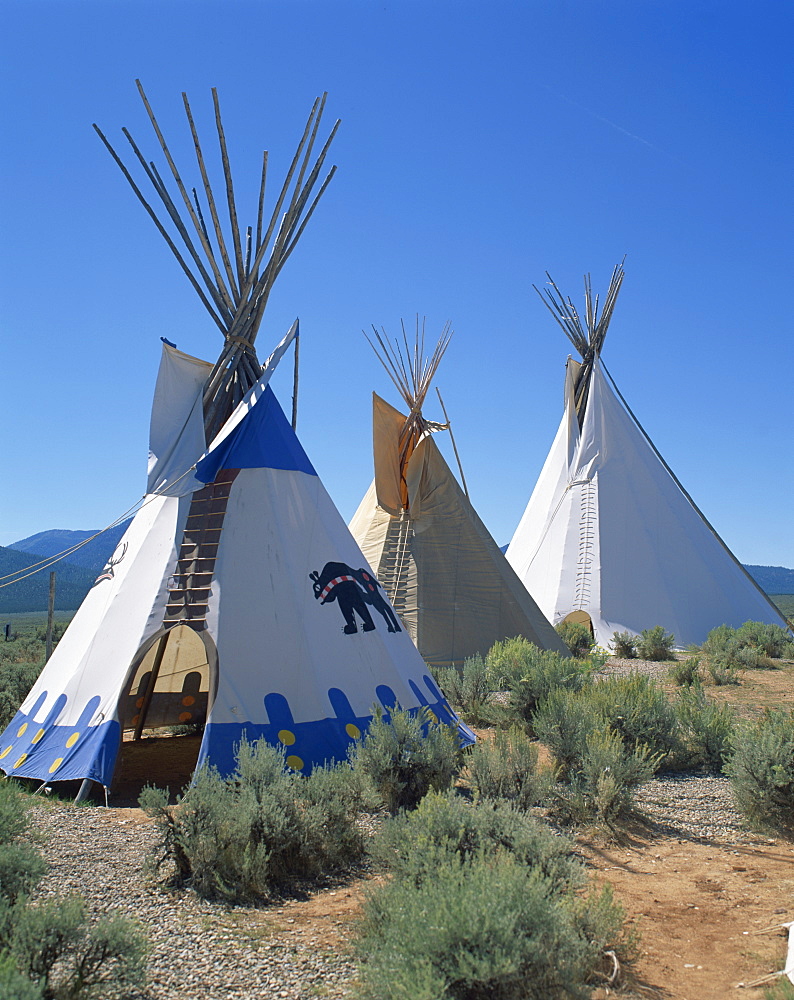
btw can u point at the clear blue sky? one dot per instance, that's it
(481, 145)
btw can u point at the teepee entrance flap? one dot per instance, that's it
(176, 428)
(172, 680)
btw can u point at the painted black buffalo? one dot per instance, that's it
(337, 582)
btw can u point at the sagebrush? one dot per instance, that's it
(529, 675)
(726, 655)
(577, 637)
(624, 645)
(407, 754)
(506, 767)
(600, 790)
(656, 644)
(470, 690)
(761, 769)
(773, 640)
(445, 827)
(259, 830)
(685, 672)
(635, 707)
(490, 927)
(705, 729)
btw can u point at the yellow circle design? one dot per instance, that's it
(352, 731)
(295, 763)
(38, 736)
(72, 739)
(22, 728)
(139, 703)
(20, 760)
(6, 752)
(188, 700)
(56, 764)
(135, 719)
(185, 716)
(287, 738)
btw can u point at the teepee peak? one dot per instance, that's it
(587, 335)
(231, 268)
(411, 370)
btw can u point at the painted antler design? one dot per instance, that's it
(113, 561)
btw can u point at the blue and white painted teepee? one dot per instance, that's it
(237, 597)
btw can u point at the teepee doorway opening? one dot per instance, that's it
(579, 618)
(163, 706)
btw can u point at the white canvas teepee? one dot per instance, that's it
(447, 578)
(237, 597)
(610, 536)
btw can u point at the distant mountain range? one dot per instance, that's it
(79, 570)
(74, 574)
(92, 555)
(773, 579)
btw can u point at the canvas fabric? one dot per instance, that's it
(285, 669)
(176, 429)
(609, 532)
(387, 423)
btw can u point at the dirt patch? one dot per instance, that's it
(759, 690)
(325, 920)
(699, 909)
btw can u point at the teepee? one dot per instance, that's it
(446, 577)
(237, 597)
(610, 537)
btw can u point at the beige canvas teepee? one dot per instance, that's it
(446, 577)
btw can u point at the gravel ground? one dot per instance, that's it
(693, 807)
(617, 667)
(198, 948)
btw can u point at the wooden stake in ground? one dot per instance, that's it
(50, 616)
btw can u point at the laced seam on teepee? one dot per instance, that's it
(587, 532)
